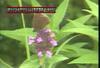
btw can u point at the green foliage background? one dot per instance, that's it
(75, 24)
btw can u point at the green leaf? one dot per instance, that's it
(76, 50)
(57, 58)
(59, 15)
(74, 24)
(93, 6)
(35, 3)
(4, 65)
(71, 50)
(91, 66)
(62, 45)
(32, 2)
(79, 22)
(32, 63)
(12, 2)
(83, 19)
(95, 66)
(61, 35)
(89, 32)
(18, 34)
(90, 58)
(79, 44)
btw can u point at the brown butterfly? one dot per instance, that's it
(40, 20)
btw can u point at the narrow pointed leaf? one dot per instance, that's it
(32, 63)
(18, 34)
(35, 3)
(57, 58)
(89, 32)
(91, 58)
(59, 15)
(93, 6)
(79, 22)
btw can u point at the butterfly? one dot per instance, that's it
(40, 20)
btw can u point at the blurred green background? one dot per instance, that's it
(12, 51)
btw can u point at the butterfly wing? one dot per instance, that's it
(40, 21)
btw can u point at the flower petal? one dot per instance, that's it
(31, 40)
(48, 54)
(40, 54)
(53, 42)
(39, 39)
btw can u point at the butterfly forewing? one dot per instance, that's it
(40, 20)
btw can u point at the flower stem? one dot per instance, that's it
(23, 22)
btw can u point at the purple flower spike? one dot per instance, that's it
(31, 40)
(40, 54)
(48, 54)
(53, 42)
(39, 39)
(43, 42)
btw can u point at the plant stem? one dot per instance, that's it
(23, 22)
